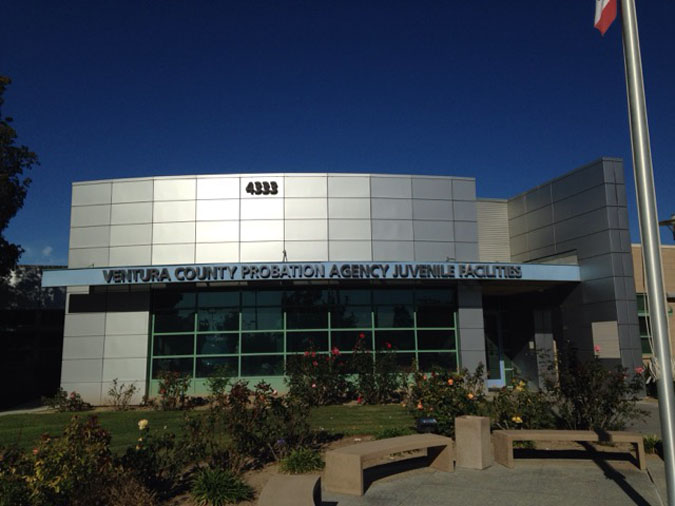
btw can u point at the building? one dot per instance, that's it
(242, 270)
(668, 264)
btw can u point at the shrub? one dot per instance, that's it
(318, 379)
(378, 378)
(262, 425)
(124, 490)
(216, 487)
(445, 395)
(62, 401)
(74, 468)
(590, 396)
(393, 432)
(15, 467)
(157, 461)
(652, 443)
(173, 387)
(218, 384)
(518, 407)
(120, 396)
(301, 460)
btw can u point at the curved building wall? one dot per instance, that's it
(310, 217)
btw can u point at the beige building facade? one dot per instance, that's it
(668, 261)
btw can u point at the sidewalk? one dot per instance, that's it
(540, 482)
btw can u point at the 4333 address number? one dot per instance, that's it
(262, 188)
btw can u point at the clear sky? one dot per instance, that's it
(512, 92)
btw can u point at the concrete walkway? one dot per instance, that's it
(540, 482)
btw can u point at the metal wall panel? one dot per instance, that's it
(87, 257)
(306, 230)
(245, 180)
(431, 188)
(466, 231)
(173, 233)
(130, 255)
(306, 208)
(87, 216)
(126, 346)
(124, 369)
(218, 188)
(392, 230)
(391, 209)
(131, 191)
(348, 186)
(175, 189)
(464, 210)
(174, 211)
(126, 322)
(301, 251)
(434, 251)
(306, 186)
(393, 251)
(272, 251)
(349, 208)
(217, 252)
(90, 347)
(466, 251)
(91, 194)
(262, 230)
(122, 214)
(217, 210)
(432, 209)
(217, 231)
(130, 235)
(163, 254)
(264, 209)
(464, 189)
(83, 370)
(433, 230)
(349, 230)
(493, 231)
(391, 187)
(345, 251)
(89, 237)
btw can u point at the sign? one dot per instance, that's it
(317, 271)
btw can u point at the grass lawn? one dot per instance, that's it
(24, 430)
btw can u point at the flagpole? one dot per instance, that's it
(651, 244)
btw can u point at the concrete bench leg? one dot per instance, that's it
(441, 458)
(503, 449)
(343, 474)
(640, 455)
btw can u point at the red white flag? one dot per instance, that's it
(605, 14)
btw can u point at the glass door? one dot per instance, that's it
(494, 349)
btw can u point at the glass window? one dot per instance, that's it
(261, 298)
(642, 302)
(182, 320)
(303, 341)
(181, 365)
(217, 365)
(353, 297)
(262, 365)
(217, 344)
(435, 339)
(182, 344)
(349, 317)
(219, 299)
(646, 345)
(429, 361)
(393, 297)
(435, 316)
(398, 339)
(262, 342)
(262, 318)
(345, 340)
(306, 298)
(169, 299)
(644, 328)
(215, 319)
(438, 297)
(306, 318)
(394, 316)
(405, 361)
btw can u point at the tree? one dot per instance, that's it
(14, 160)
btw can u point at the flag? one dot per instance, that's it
(605, 14)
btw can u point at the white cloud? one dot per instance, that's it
(47, 251)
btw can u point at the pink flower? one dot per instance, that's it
(313, 354)
(362, 335)
(306, 354)
(388, 345)
(335, 351)
(313, 385)
(315, 363)
(359, 399)
(596, 348)
(35, 451)
(639, 370)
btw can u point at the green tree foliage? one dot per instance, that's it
(14, 161)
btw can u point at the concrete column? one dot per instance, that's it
(470, 325)
(473, 449)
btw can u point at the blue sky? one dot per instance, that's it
(513, 93)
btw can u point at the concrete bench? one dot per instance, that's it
(344, 466)
(503, 441)
(291, 490)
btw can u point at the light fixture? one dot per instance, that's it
(670, 223)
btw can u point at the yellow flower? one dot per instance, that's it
(516, 419)
(142, 424)
(470, 395)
